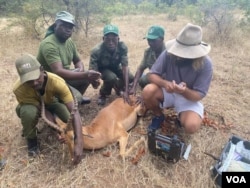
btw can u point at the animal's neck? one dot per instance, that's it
(89, 129)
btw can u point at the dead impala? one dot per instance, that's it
(111, 125)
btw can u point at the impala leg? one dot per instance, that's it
(135, 145)
(122, 144)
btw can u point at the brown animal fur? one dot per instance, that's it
(109, 126)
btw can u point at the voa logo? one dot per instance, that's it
(236, 179)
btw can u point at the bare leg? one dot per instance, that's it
(191, 121)
(135, 145)
(152, 96)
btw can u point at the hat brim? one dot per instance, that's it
(66, 20)
(110, 32)
(33, 75)
(152, 37)
(188, 52)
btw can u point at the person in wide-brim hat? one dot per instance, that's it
(188, 43)
(180, 79)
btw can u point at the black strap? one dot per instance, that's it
(209, 154)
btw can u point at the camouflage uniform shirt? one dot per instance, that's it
(101, 59)
(149, 58)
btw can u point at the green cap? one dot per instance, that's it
(155, 32)
(66, 17)
(110, 29)
(28, 68)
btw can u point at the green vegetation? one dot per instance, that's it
(221, 16)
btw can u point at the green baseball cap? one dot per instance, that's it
(28, 68)
(155, 32)
(110, 29)
(66, 17)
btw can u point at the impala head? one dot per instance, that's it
(61, 127)
(140, 107)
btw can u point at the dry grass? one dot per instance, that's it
(228, 100)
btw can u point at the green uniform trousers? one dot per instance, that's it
(78, 88)
(143, 81)
(30, 114)
(113, 78)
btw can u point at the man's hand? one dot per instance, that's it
(93, 75)
(126, 98)
(132, 89)
(78, 152)
(132, 92)
(139, 100)
(95, 84)
(61, 138)
(180, 88)
(173, 87)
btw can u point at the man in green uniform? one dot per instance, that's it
(155, 38)
(35, 84)
(111, 60)
(57, 51)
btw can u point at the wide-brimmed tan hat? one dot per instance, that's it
(188, 43)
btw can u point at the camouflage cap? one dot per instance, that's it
(110, 29)
(155, 32)
(28, 68)
(66, 17)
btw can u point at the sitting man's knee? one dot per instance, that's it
(191, 127)
(149, 88)
(191, 121)
(29, 111)
(149, 91)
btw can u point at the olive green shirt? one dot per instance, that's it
(51, 50)
(55, 87)
(102, 59)
(149, 58)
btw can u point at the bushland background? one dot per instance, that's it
(225, 26)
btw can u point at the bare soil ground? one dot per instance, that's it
(227, 105)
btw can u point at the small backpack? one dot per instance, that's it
(235, 157)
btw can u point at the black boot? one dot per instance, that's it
(33, 148)
(85, 100)
(101, 100)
